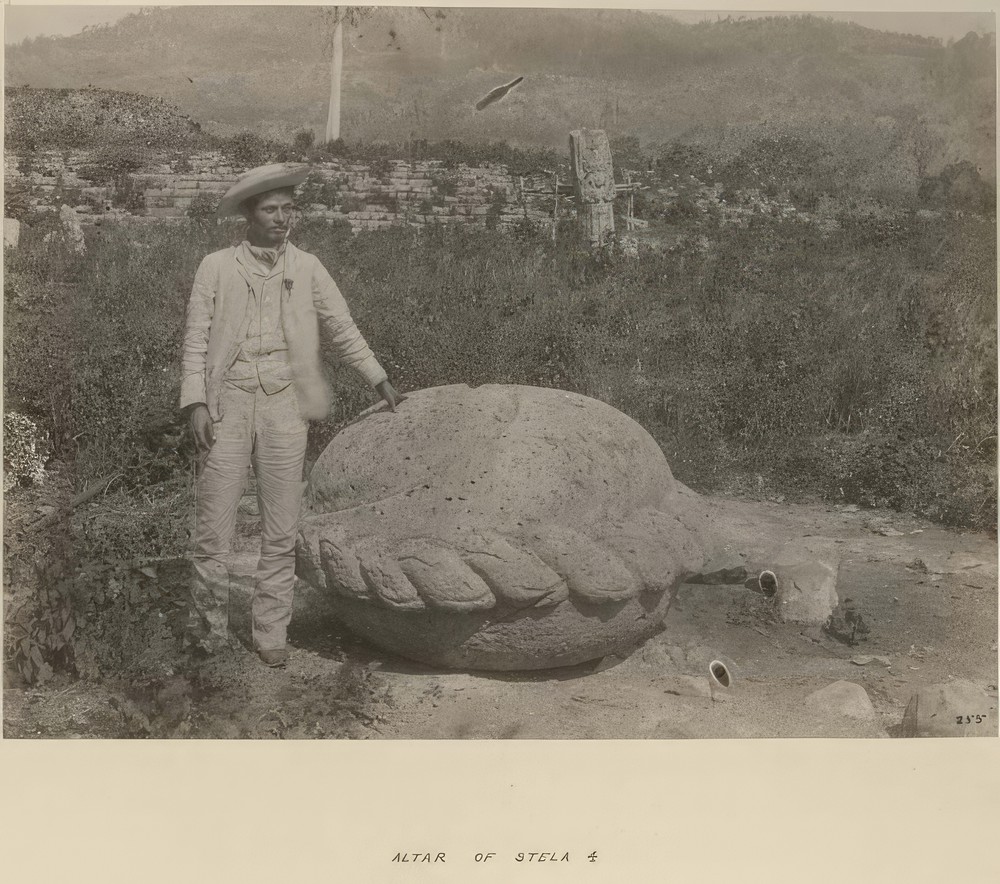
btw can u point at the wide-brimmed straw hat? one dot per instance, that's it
(261, 180)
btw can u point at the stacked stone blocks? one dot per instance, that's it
(367, 196)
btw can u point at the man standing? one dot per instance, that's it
(251, 382)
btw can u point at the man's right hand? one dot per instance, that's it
(201, 426)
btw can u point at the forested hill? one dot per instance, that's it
(418, 72)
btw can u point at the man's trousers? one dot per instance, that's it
(269, 433)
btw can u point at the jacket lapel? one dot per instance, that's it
(242, 269)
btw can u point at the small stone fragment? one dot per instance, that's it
(865, 659)
(72, 229)
(805, 591)
(11, 232)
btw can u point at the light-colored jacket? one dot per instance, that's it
(217, 312)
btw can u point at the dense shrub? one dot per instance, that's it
(91, 347)
(959, 186)
(304, 139)
(17, 204)
(39, 338)
(248, 149)
(23, 451)
(129, 317)
(113, 163)
(92, 342)
(39, 619)
(129, 579)
(101, 592)
(202, 207)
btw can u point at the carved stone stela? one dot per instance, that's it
(594, 183)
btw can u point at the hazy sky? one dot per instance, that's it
(22, 21)
(30, 21)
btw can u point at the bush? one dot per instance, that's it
(443, 186)
(388, 201)
(39, 335)
(380, 167)
(17, 205)
(498, 201)
(304, 139)
(23, 451)
(38, 617)
(130, 194)
(93, 343)
(114, 163)
(246, 149)
(91, 349)
(129, 585)
(202, 207)
(351, 203)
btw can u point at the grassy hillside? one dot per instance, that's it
(415, 75)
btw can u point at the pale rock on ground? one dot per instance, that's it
(11, 233)
(842, 698)
(74, 232)
(806, 590)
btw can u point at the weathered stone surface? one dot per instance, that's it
(957, 709)
(806, 590)
(168, 189)
(72, 229)
(594, 183)
(501, 527)
(11, 232)
(842, 698)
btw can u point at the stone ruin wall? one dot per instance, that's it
(368, 196)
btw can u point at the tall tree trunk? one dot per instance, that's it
(336, 67)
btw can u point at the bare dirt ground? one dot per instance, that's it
(928, 595)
